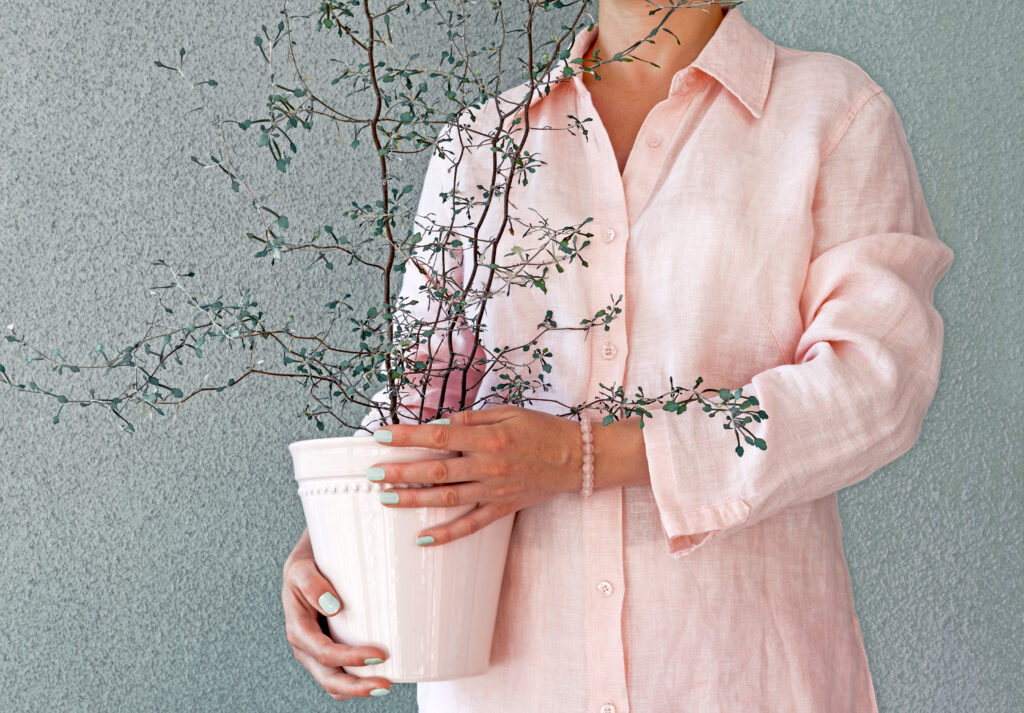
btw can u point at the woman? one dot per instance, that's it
(759, 209)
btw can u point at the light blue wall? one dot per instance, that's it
(143, 573)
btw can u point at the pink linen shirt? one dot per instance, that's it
(769, 232)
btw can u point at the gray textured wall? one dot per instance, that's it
(143, 573)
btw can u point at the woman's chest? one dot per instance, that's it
(697, 252)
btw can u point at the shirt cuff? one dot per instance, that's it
(669, 439)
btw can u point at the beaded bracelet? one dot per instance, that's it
(588, 456)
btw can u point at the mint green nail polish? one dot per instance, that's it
(372, 661)
(375, 473)
(380, 692)
(382, 435)
(329, 603)
(446, 421)
(389, 498)
(425, 540)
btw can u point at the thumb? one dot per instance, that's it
(306, 577)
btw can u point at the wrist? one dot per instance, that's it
(573, 470)
(581, 456)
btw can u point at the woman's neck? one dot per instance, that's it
(621, 23)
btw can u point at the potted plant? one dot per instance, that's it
(414, 351)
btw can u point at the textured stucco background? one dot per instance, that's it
(142, 573)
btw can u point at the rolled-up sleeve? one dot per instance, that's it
(866, 365)
(443, 219)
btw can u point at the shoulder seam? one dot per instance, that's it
(840, 131)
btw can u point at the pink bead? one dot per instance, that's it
(588, 456)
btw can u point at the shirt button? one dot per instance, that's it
(654, 141)
(607, 708)
(608, 350)
(609, 235)
(605, 587)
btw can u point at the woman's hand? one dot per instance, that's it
(510, 458)
(304, 594)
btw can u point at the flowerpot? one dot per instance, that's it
(432, 608)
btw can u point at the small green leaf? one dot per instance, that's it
(282, 220)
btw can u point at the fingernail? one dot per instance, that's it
(446, 421)
(425, 540)
(389, 498)
(372, 661)
(380, 692)
(382, 435)
(375, 473)
(329, 603)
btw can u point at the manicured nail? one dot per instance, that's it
(382, 435)
(375, 473)
(329, 603)
(446, 421)
(425, 540)
(380, 692)
(372, 661)
(389, 498)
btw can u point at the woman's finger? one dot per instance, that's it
(449, 436)
(440, 496)
(483, 416)
(302, 627)
(473, 521)
(307, 578)
(436, 471)
(303, 631)
(341, 685)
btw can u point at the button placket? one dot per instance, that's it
(601, 541)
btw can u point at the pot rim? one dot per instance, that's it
(309, 444)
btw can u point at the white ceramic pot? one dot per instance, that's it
(431, 608)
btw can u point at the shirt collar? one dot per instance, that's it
(738, 56)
